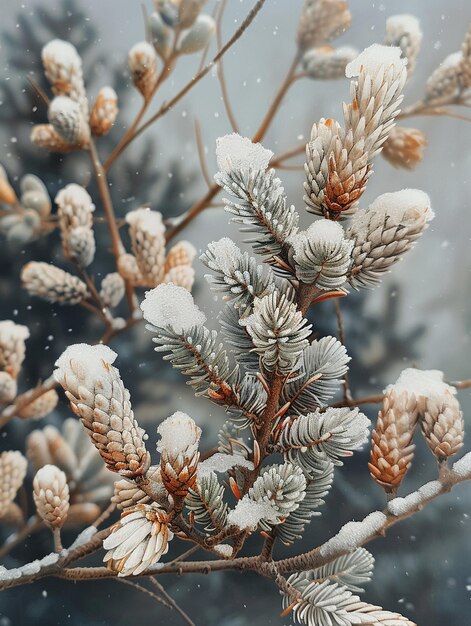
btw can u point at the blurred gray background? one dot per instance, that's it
(421, 314)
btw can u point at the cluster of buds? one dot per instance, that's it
(179, 454)
(90, 483)
(417, 396)
(75, 212)
(25, 217)
(70, 122)
(149, 265)
(13, 467)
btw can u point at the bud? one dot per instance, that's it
(98, 396)
(42, 406)
(444, 82)
(67, 119)
(112, 289)
(12, 346)
(321, 21)
(104, 112)
(129, 269)
(181, 276)
(404, 147)
(8, 388)
(384, 231)
(13, 467)
(327, 63)
(392, 450)
(142, 61)
(404, 31)
(199, 35)
(34, 195)
(81, 246)
(161, 35)
(52, 284)
(75, 209)
(7, 193)
(138, 540)
(63, 69)
(188, 12)
(182, 253)
(51, 495)
(45, 136)
(148, 244)
(178, 448)
(443, 425)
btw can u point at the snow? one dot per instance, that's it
(170, 305)
(62, 53)
(234, 152)
(374, 58)
(146, 220)
(226, 254)
(463, 466)
(29, 569)
(353, 535)
(178, 432)
(421, 383)
(108, 93)
(224, 550)
(405, 23)
(248, 513)
(141, 54)
(83, 538)
(63, 105)
(406, 201)
(76, 195)
(415, 500)
(320, 231)
(50, 477)
(221, 463)
(9, 331)
(91, 358)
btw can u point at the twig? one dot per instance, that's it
(201, 154)
(172, 602)
(220, 72)
(144, 590)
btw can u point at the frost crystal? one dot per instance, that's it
(93, 361)
(221, 463)
(353, 534)
(234, 152)
(178, 432)
(372, 59)
(170, 305)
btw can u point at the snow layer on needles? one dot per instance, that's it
(170, 305)
(374, 58)
(92, 359)
(221, 463)
(248, 513)
(226, 255)
(234, 152)
(353, 534)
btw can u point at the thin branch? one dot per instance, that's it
(144, 590)
(172, 603)
(201, 154)
(220, 72)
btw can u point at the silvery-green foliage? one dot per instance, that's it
(237, 275)
(197, 354)
(283, 487)
(237, 337)
(318, 436)
(317, 487)
(322, 255)
(350, 570)
(261, 208)
(206, 501)
(323, 364)
(251, 401)
(279, 332)
(230, 441)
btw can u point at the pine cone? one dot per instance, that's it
(182, 253)
(112, 289)
(138, 540)
(443, 426)
(13, 467)
(404, 147)
(52, 284)
(392, 450)
(142, 61)
(98, 396)
(104, 112)
(12, 346)
(42, 406)
(148, 244)
(178, 448)
(51, 495)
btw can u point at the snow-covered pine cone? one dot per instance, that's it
(53, 284)
(12, 346)
(147, 233)
(138, 540)
(443, 425)
(13, 467)
(98, 396)
(179, 454)
(392, 449)
(104, 112)
(404, 147)
(75, 209)
(51, 495)
(182, 253)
